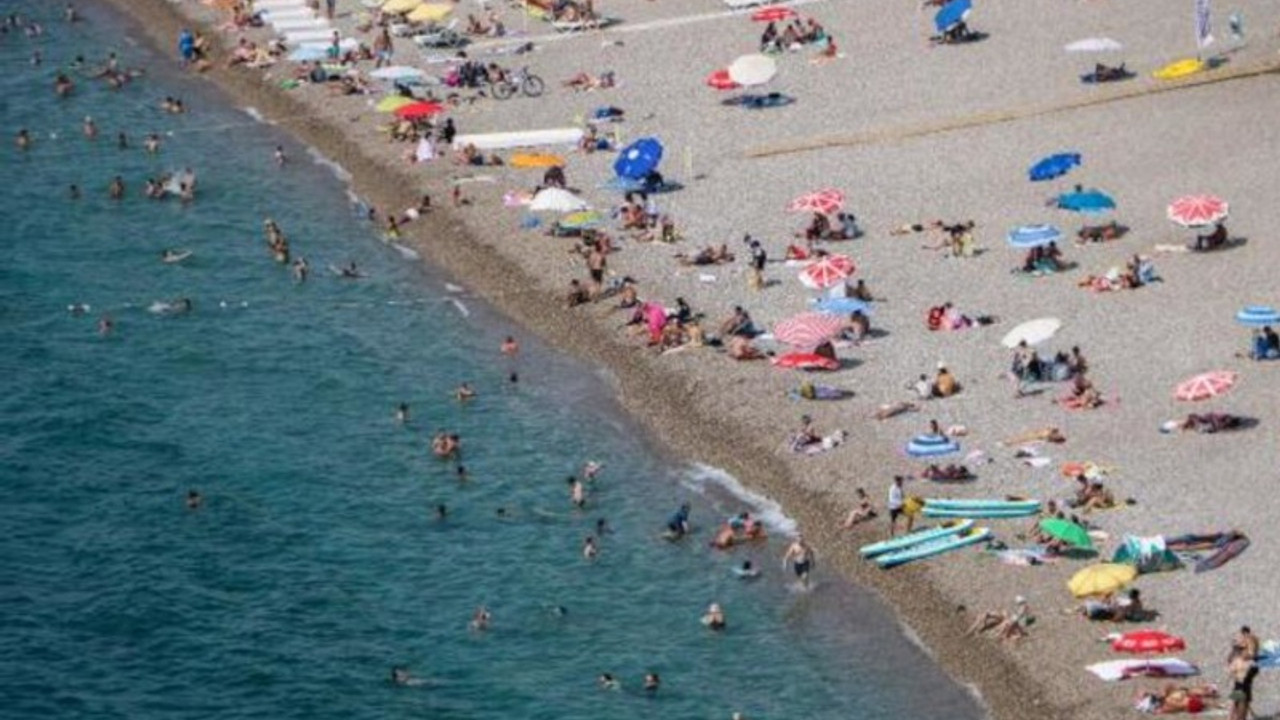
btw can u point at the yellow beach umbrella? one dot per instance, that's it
(430, 12)
(1179, 69)
(535, 160)
(1101, 579)
(400, 6)
(392, 103)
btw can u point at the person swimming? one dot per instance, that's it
(607, 681)
(442, 512)
(171, 256)
(301, 269)
(402, 413)
(747, 570)
(589, 548)
(280, 157)
(464, 392)
(23, 139)
(194, 499)
(678, 523)
(480, 619)
(714, 618)
(652, 682)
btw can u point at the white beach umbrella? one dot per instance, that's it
(557, 200)
(1097, 44)
(752, 70)
(1032, 332)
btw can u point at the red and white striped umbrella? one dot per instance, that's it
(720, 80)
(773, 13)
(808, 330)
(826, 201)
(1197, 210)
(830, 270)
(1205, 386)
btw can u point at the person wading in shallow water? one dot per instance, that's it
(801, 558)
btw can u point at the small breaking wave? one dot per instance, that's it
(406, 252)
(701, 477)
(254, 113)
(320, 159)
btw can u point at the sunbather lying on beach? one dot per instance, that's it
(947, 317)
(949, 473)
(1112, 609)
(1178, 699)
(1098, 233)
(740, 348)
(915, 228)
(739, 324)
(1007, 626)
(1082, 396)
(1049, 434)
(1043, 260)
(709, 255)
(584, 81)
(1207, 423)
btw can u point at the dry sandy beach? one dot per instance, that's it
(1010, 99)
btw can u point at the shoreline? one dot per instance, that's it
(656, 396)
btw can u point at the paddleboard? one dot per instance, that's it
(915, 538)
(934, 547)
(982, 503)
(991, 513)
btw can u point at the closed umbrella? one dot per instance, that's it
(952, 14)
(1197, 210)
(1033, 236)
(829, 271)
(752, 70)
(638, 159)
(1258, 316)
(1087, 201)
(808, 330)
(1205, 386)
(1032, 332)
(1101, 579)
(1068, 532)
(1053, 166)
(929, 446)
(1095, 44)
(720, 80)
(556, 200)
(826, 201)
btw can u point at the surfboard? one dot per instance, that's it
(934, 547)
(988, 513)
(985, 503)
(915, 538)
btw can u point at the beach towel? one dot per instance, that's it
(1117, 670)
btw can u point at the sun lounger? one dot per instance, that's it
(264, 5)
(300, 24)
(273, 16)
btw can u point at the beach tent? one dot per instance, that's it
(1147, 554)
(1258, 316)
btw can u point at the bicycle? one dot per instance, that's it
(523, 81)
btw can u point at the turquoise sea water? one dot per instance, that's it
(316, 564)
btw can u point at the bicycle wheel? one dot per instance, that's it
(532, 86)
(503, 90)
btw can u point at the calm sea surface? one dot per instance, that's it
(316, 563)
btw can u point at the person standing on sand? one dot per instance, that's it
(511, 349)
(596, 263)
(801, 558)
(896, 505)
(755, 277)
(330, 8)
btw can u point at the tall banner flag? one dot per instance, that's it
(1204, 27)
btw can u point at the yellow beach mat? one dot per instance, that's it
(392, 103)
(1179, 69)
(430, 12)
(400, 6)
(535, 160)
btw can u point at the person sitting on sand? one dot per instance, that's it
(1178, 699)
(1106, 73)
(1083, 394)
(944, 383)
(806, 435)
(1098, 497)
(1007, 626)
(709, 255)
(861, 512)
(577, 294)
(856, 327)
(1126, 609)
(740, 348)
(739, 324)
(818, 229)
(1213, 240)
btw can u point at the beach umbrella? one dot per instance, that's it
(535, 160)
(773, 13)
(1179, 69)
(1087, 201)
(398, 72)
(842, 306)
(556, 200)
(952, 14)
(1197, 210)
(1032, 332)
(430, 12)
(581, 219)
(828, 271)
(808, 330)
(1101, 579)
(1053, 166)
(1205, 386)
(308, 53)
(752, 70)
(1258, 316)
(827, 202)
(638, 159)
(419, 109)
(1096, 44)
(720, 80)
(931, 446)
(392, 103)
(1068, 532)
(1033, 236)
(1148, 642)
(400, 6)
(805, 361)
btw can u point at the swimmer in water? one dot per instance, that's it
(90, 128)
(122, 141)
(510, 347)
(194, 499)
(678, 524)
(577, 493)
(73, 192)
(652, 682)
(801, 558)
(402, 413)
(116, 189)
(300, 270)
(23, 139)
(401, 677)
(152, 143)
(105, 325)
(602, 527)
(280, 157)
(462, 474)
(350, 272)
(37, 58)
(747, 570)
(591, 469)
(62, 85)
(464, 392)
(69, 13)
(713, 618)
(442, 512)
(480, 619)
(174, 256)
(589, 548)
(607, 681)
(78, 309)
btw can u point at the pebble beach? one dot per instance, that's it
(911, 132)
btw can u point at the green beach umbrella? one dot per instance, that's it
(1068, 532)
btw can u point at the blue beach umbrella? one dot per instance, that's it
(1258, 316)
(928, 446)
(308, 53)
(1033, 236)
(842, 306)
(1053, 166)
(1088, 201)
(952, 14)
(638, 159)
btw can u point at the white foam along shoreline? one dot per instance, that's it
(701, 477)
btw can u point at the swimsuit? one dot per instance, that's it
(801, 567)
